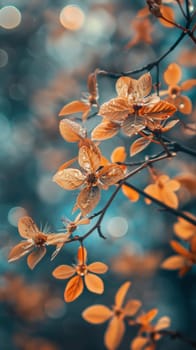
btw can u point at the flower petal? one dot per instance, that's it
(146, 318)
(144, 85)
(110, 175)
(69, 179)
(172, 74)
(122, 86)
(184, 229)
(132, 125)
(27, 227)
(188, 84)
(116, 109)
(140, 144)
(118, 154)
(73, 289)
(71, 131)
(94, 283)
(180, 249)
(132, 307)
(114, 333)
(88, 199)
(160, 111)
(63, 271)
(74, 107)
(121, 294)
(35, 257)
(163, 322)
(130, 193)
(98, 267)
(20, 250)
(97, 314)
(138, 343)
(169, 198)
(105, 130)
(82, 255)
(174, 262)
(89, 157)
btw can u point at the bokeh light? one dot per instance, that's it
(72, 17)
(15, 214)
(3, 58)
(117, 226)
(10, 17)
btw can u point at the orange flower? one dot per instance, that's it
(172, 76)
(93, 178)
(84, 274)
(148, 333)
(132, 109)
(163, 189)
(184, 229)
(36, 242)
(184, 260)
(97, 314)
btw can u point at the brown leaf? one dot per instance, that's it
(97, 314)
(27, 227)
(169, 125)
(139, 145)
(98, 267)
(69, 179)
(172, 74)
(63, 272)
(105, 130)
(35, 257)
(71, 131)
(122, 86)
(73, 289)
(94, 283)
(92, 88)
(88, 199)
(121, 294)
(74, 107)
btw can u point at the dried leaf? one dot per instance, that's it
(88, 199)
(92, 88)
(122, 86)
(118, 154)
(130, 193)
(174, 262)
(69, 179)
(121, 294)
(97, 314)
(98, 267)
(27, 227)
(35, 257)
(169, 125)
(172, 74)
(73, 289)
(139, 145)
(94, 283)
(67, 164)
(63, 272)
(71, 131)
(114, 333)
(74, 107)
(105, 130)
